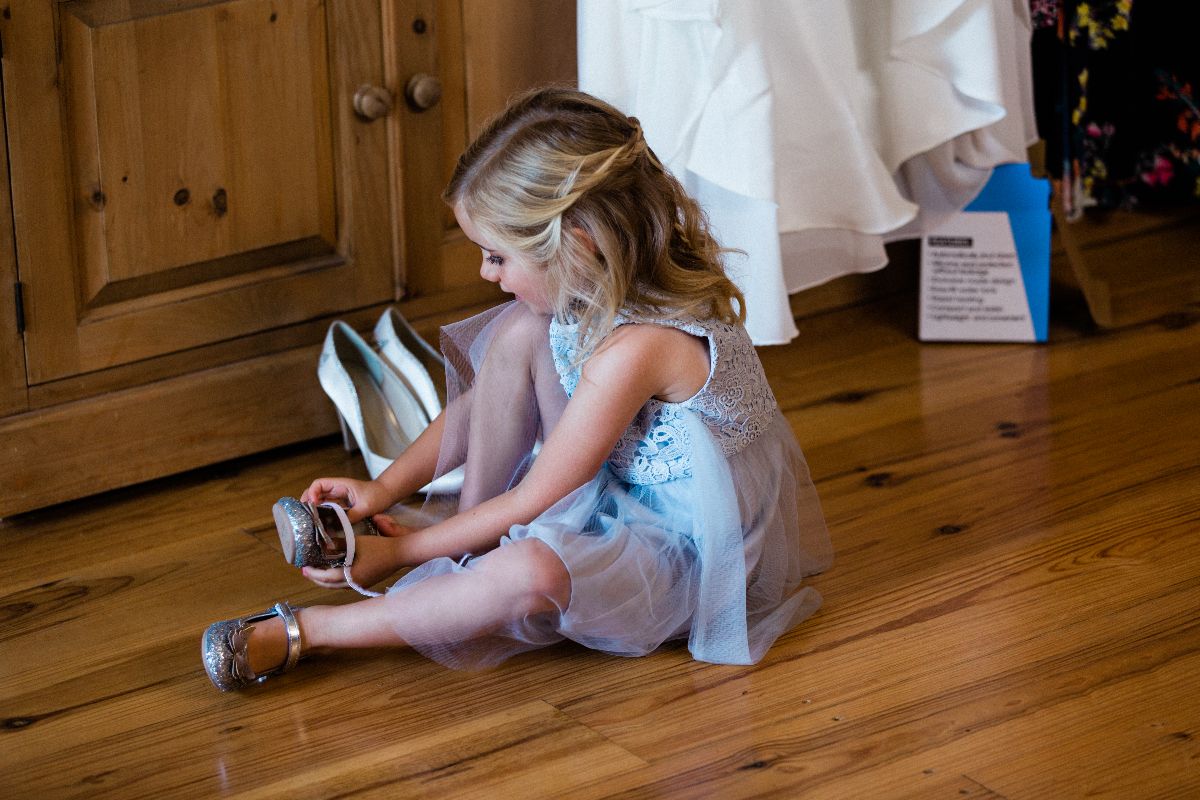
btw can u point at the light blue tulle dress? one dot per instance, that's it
(702, 523)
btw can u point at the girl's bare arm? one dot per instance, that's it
(638, 362)
(409, 472)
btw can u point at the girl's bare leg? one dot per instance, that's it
(507, 584)
(516, 392)
(516, 395)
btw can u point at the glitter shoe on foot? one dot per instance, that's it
(223, 649)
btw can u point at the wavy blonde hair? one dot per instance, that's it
(569, 181)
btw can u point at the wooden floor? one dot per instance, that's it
(1014, 613)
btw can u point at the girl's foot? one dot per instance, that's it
(266, 645)
(239, 652)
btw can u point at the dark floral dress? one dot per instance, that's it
(1116, 93)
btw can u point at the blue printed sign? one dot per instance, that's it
(985, 274)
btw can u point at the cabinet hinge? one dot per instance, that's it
(19, 293)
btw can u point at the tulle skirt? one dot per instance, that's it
(717, 558)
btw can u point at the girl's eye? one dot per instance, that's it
(495, 260)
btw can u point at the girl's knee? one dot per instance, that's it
(522, 335)
(533, 573)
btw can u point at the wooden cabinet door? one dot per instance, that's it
(191, 171)
(480, 53)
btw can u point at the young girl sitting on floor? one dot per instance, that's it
(668, 498)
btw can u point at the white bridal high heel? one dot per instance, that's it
(382, 414)
(412, 357)
(384, 403)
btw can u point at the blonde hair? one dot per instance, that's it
(569, 181)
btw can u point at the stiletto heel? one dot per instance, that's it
(223, 648)
(347, 439)
(379, 409)
(423, 369)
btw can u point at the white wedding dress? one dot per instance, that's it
(814, 131)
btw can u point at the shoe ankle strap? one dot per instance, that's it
(293, 634)
(348, 529)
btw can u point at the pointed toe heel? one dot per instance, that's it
(376, 405)
(416, 361)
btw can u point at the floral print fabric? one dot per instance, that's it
(1116, 92)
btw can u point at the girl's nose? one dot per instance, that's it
(489, 271)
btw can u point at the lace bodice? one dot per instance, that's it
(735, 404)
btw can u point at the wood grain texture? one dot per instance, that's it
(63, 452)
(425, 312)
(235, 99)
(130, 286)
(14, 396)
(483, 53)
(187, 173)
(38, 172)
(537, 40)
(1133, 265)
(1012, 613)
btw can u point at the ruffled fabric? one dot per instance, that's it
(839, 125)
(716, 557)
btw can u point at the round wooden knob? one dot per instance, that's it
(423, 91)
(372, 102)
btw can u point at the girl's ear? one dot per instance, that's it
(584, 238)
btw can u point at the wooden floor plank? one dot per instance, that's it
(1140, 750)
(480, 757)
(232, 497)
(941, 684)
(1012, 613)
(978, 623)
(1147, 747)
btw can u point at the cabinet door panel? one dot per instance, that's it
(209, 180)
(211, 163)
(483, 52)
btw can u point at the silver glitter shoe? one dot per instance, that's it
(223, 649)
(315, 535)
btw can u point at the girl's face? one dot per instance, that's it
(515, 272)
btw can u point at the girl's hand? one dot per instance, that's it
(375, 558)
(361, 499)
